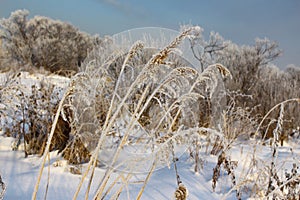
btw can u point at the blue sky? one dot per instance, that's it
(238, 20)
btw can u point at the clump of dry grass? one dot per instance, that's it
(154, 98)
(28, 113)
(265, 178)
(229, 166)
(75, 152)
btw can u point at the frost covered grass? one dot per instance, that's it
(142, 123)
(151, 112)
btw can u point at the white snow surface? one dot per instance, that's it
(20, 175)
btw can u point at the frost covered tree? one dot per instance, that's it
(275, 86)
(245, 61)
(260, 84)
(13, 36)
(44, 42)
(256, 85)
(248, 65)
(206, 51)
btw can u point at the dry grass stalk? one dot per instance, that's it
(229, 167)
(146, 181)
(160, 57)
(122, 143)
(112, 185)
(125, 181)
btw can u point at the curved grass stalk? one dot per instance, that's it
(93, 160)
(146, 180)
(123, 141)
(271, 110)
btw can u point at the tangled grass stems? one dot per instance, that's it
(281, 104)
(118, 103)
(47, 148)
(122, 143)
(270, 111)
(293, 179)
(116, 195)
(92, 164)
(111, 186)
(158, 58)
(204, 76)
(252, 169)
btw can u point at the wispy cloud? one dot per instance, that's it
(114, 3)
(126, 8)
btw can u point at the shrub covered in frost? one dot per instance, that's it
(44, 42)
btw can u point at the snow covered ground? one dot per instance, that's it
(19, 175)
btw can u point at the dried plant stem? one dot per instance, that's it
(135, 116)
(106, 125)
(146, 180)
(197, 159)
(125, 183)
(175, 165)
(275, 144)
(81, 181)
(46, 152)
(47, 186)
(89, 185)
(271, 110)
(111, 186)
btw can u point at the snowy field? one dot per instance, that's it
(19, 175)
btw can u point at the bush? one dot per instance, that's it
(43, 42)
(27, 109)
